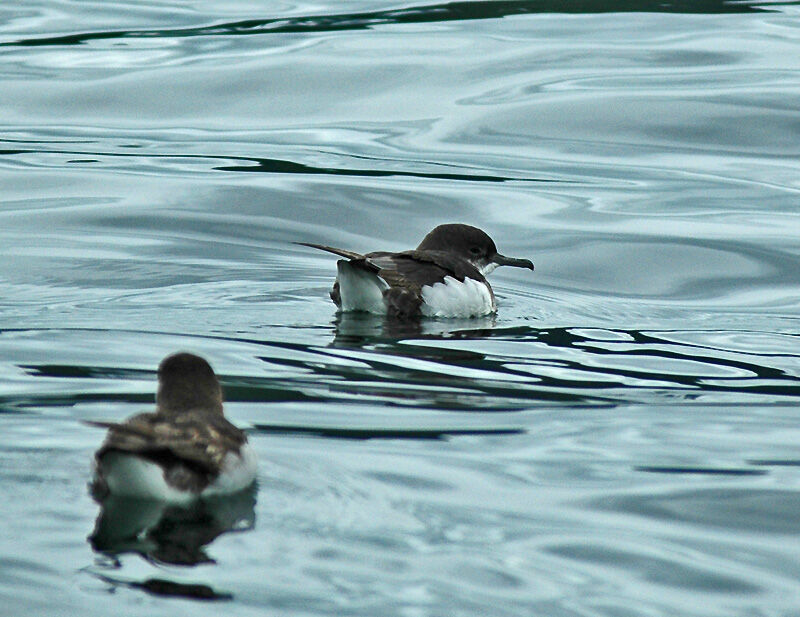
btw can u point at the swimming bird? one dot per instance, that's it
(445, 276)
(184, 450)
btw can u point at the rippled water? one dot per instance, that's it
(621, 439)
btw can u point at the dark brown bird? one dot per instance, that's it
(445, 276)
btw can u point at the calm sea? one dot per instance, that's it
(621, 439)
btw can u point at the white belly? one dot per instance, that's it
(453, 298)
(128, 475)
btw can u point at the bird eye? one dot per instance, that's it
(475, 250)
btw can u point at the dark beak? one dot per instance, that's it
(502, 260)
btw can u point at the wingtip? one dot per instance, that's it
(98, 423)
(332, 249)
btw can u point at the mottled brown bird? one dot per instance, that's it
(183, 450)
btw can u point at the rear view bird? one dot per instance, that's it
(184, 450)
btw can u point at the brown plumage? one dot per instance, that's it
(452, 250)
(187, 435)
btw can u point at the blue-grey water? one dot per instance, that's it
(621, 439)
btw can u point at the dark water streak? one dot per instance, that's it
(279, 166)
(437, 13)
(599, 374)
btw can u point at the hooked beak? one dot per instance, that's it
(502, 260)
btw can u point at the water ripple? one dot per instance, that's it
(619, 439)
(566, 367)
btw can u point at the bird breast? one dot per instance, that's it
(454, 298)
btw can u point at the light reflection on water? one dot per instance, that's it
(619, 439)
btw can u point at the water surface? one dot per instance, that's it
(620, 439)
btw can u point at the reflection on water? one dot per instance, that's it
(175, 534)
(168, 534)
(167, 588)
(361, 329)
(589, 365)
(444, 365)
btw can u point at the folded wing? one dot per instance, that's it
(392, 283)
(199, 439)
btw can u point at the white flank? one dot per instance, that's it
(453, 298)
(238, 472)
(128, 475)
(360, 290)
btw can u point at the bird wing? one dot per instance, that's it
(422, 268)
(351, 255)
(409, 268)
(198, 437)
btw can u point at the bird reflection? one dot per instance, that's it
(357, 329)
(169, 533)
